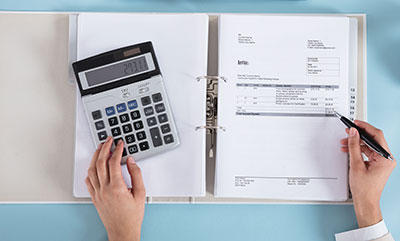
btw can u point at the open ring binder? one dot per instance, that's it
(210, 77)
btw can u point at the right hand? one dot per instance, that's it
(367, 178)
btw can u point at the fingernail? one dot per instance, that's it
(353, 132)
(119, 142)
(131, 160)
(108, 138)
(99, 146)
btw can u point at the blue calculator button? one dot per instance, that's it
(110, 110)
(121, 107)
(132, 104)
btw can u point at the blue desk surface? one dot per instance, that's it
(236, 222)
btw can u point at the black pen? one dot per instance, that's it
(368, 140)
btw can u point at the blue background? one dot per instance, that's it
(236, 222)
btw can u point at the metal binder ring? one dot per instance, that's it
(210, 127)
(211, 77)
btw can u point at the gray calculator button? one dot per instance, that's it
(146, 100)
(151, 121)
(168, 139)
(162, 118)
(165, 128)
(102, 135)
(135, 115)
(148, 111)
(96, 114)
(113, 121)
(100, 125)
(124, 152)
(127, 128)
(124, 118)
(141, 135)
(130, 139)
(156, 136)
(116, 131)
(160, 108)
(157, 97)
(133, 149)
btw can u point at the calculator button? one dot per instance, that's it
(121, 107)
(157, 97)
(168, 139)
(132, 104)
(100, 125)
(160, 108)
(146, 100)
(143, 90)
(144, 146)
(110, 110)
(116, 131)
(148, 111)
(130, 139)
(124, 152)
(165, 128)
(141, 135)
(133, 149)
(124, 118)
(116, 140)
(162, 118)
(127, 128)
(151, 121)
(135, 115)
(96, 114)
(102, 135)
(155, 136)
(113, 121)
(138, 125)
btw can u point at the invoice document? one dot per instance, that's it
(285, 77)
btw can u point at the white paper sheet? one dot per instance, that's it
(285, 75)
(180, 42)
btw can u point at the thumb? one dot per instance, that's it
(138, 189)
(356, 160)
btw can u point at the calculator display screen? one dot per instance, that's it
(116, 71)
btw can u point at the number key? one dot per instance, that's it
(116, 131)
(113, 121)
(135, 115)
(138, 125)
(133, 149)
(141, 135)
(130, 139)
(127, 128)
(124, 118)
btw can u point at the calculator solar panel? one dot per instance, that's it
(124, 97)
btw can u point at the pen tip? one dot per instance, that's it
(337, 114)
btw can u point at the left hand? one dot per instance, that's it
(120, 208)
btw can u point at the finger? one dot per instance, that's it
(344, 141)
(101, 165)
(356, 160)
(90, 187)
(115, 163)
(345, 149)
(92, 172)
(138, 188)
(366, 150)
(347, 130)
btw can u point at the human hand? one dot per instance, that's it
(367, 178)
(120, 208)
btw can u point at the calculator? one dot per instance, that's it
(124, 96)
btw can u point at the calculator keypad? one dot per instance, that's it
(128, 121)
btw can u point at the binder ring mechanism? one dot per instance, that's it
(210, 77)
(210, 127)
